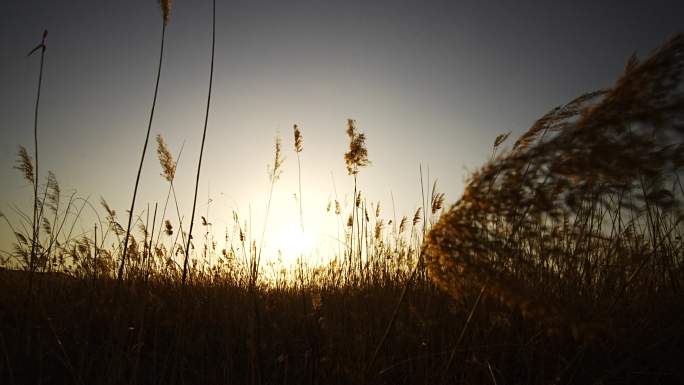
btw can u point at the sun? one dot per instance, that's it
(293, 243)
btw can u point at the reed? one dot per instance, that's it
(204, 136)
(35, 225)
(165, 6)
(298, 147)
(541, 218)
(355, 158)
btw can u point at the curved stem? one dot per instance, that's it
(142, 157)
(204, 136)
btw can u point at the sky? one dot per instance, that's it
(430, 83)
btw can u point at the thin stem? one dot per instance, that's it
(142, 157)
(301, 211)
(204, 136)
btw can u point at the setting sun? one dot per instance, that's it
(293, 243)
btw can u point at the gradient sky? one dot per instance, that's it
(429, 82)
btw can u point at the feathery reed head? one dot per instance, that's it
(165, 159)
(358, 154)
(500, 139)
(24, 164)
(297, 139)
(278, 160)
(110, 212)
(53, 192)
(417, 216)
(402, 224)
(436, 199)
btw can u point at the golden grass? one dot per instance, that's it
(544, 225)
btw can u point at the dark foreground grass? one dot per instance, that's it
(77, 330)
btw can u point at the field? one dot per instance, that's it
(561, 263)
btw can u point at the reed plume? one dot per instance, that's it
(357, 156)
(24, 164)
(600, 160)
(165, 6)
(165, 160)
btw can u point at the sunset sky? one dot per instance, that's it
(428, 82)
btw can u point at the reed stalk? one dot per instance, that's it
(204, 136)
(165, 6)
(35, 224)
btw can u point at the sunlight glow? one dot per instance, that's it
(293, 242)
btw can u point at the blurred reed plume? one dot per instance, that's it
(581, 215)
(166, 10)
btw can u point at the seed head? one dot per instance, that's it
(297, 139)
(166, 10)
(358, 154)
(165, 160)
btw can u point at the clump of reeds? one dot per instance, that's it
(564, 225)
